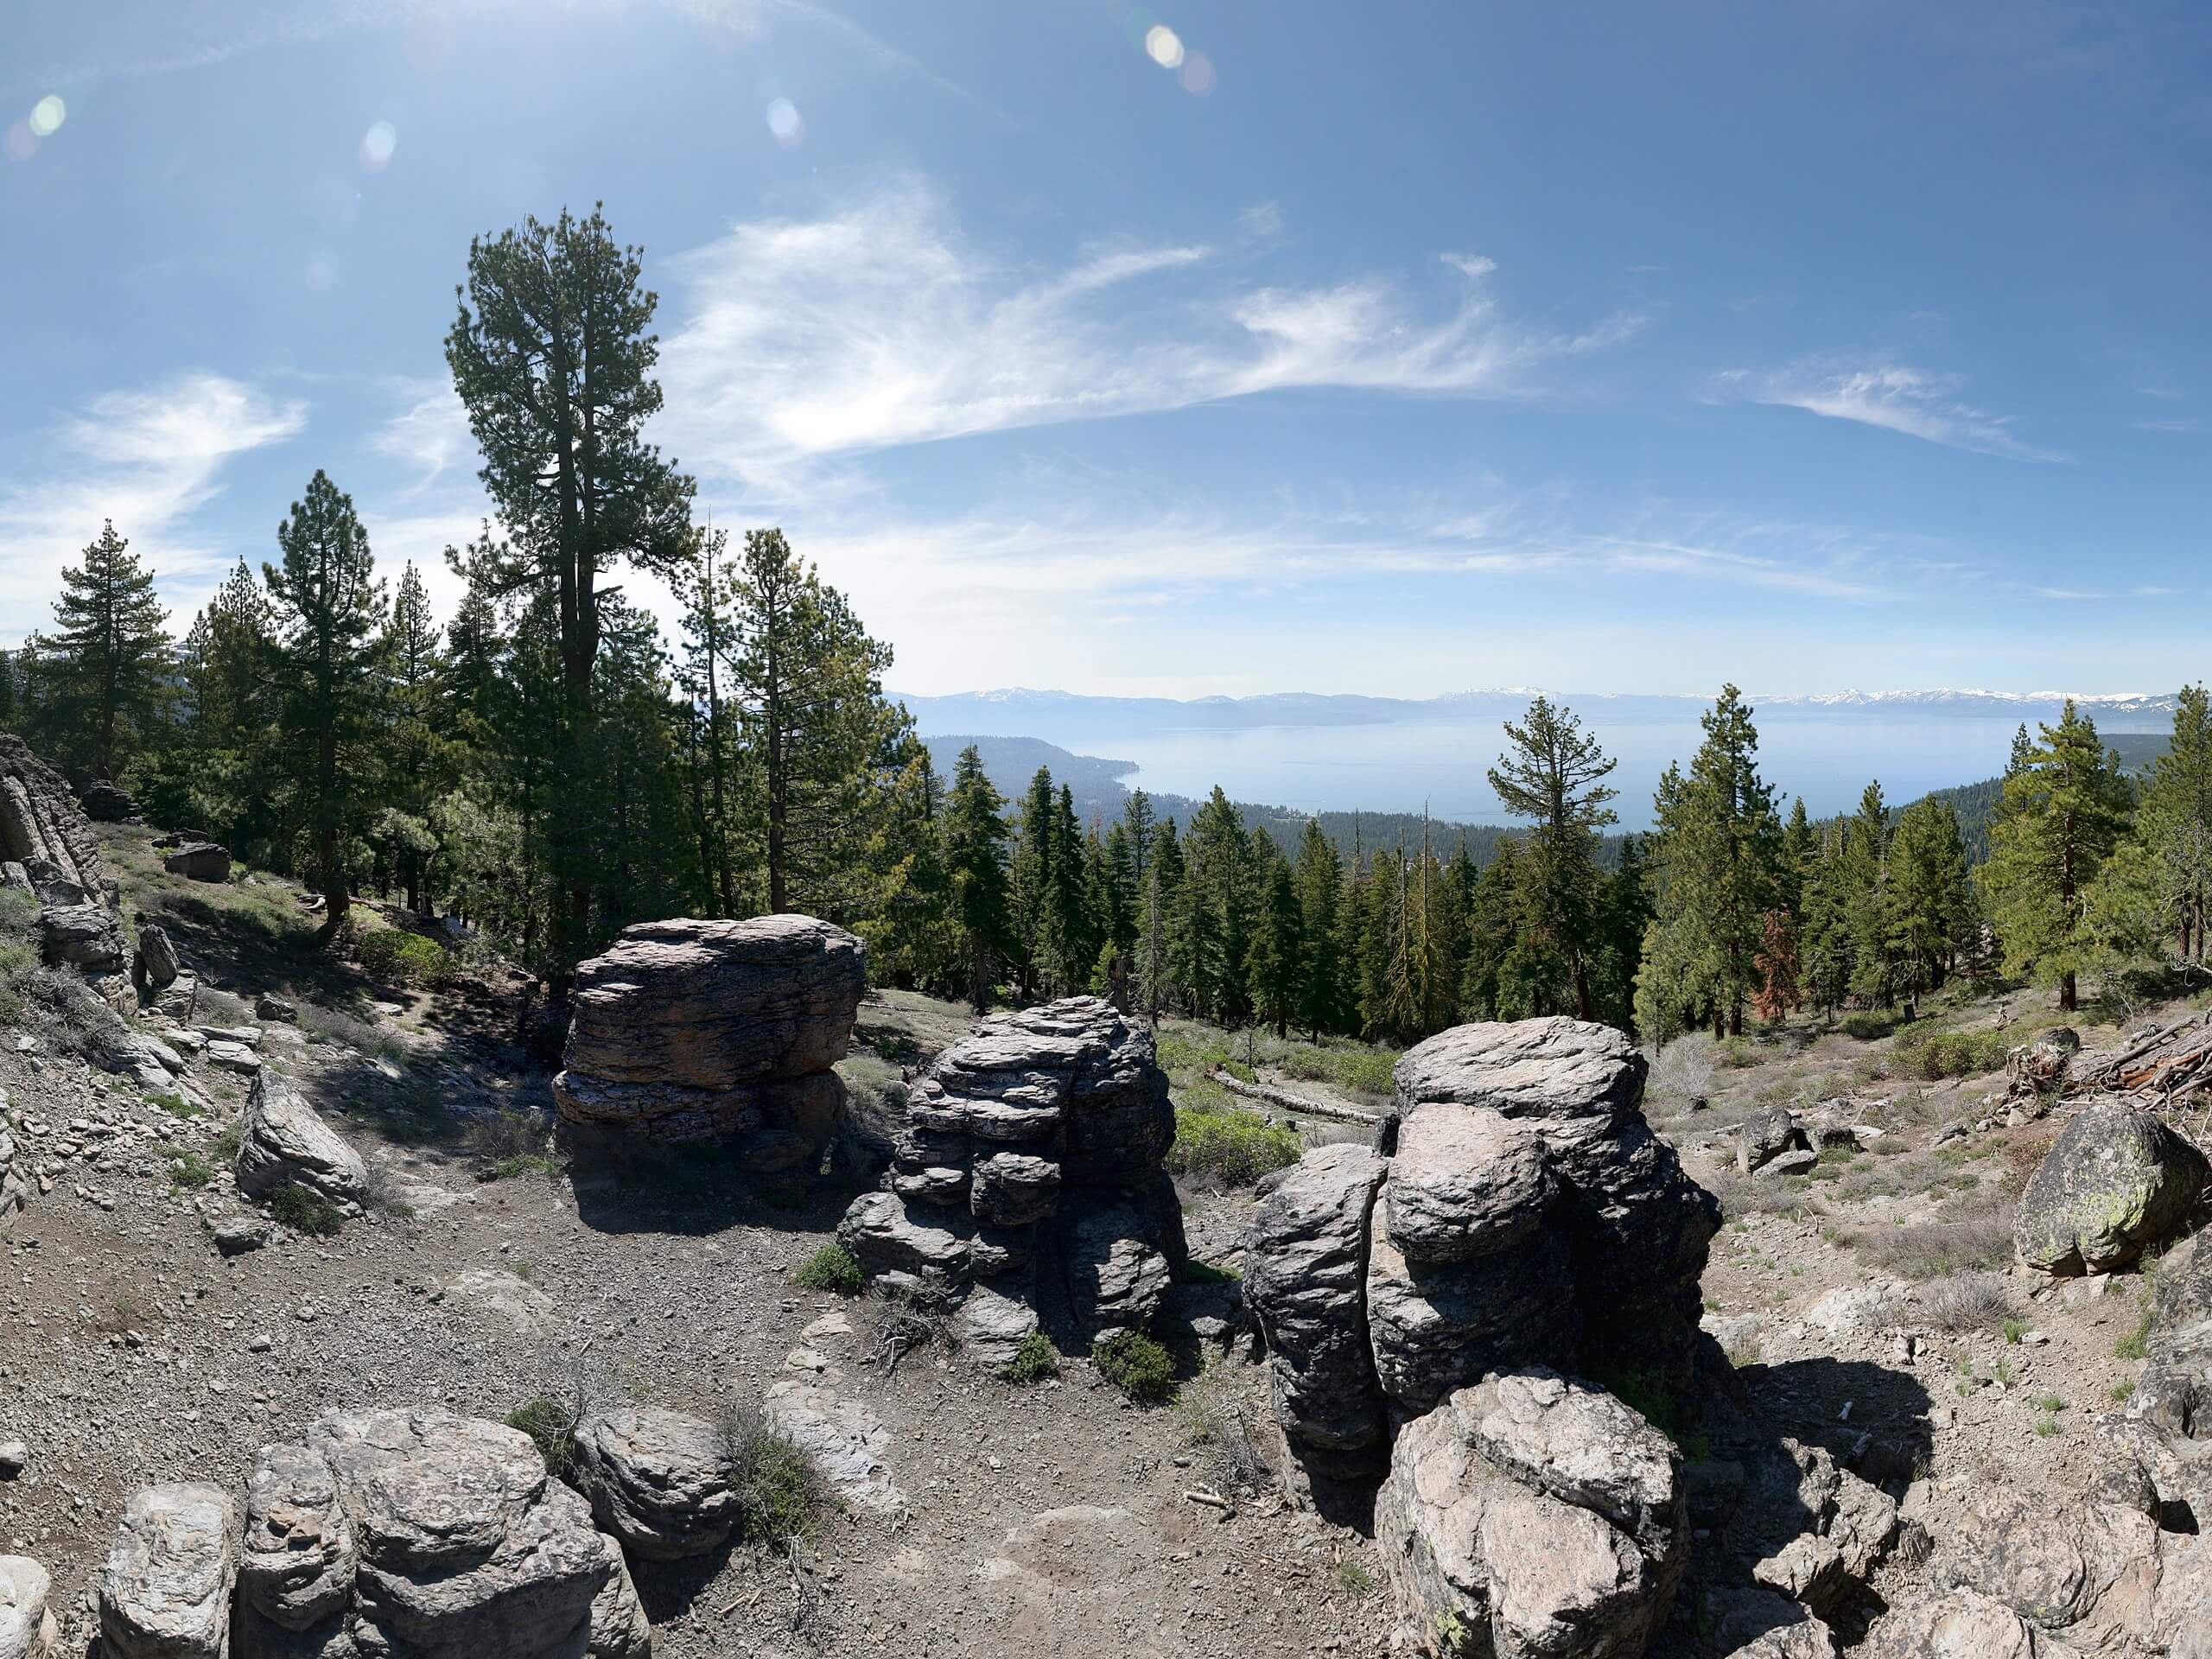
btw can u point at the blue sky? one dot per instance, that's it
(1190, 349)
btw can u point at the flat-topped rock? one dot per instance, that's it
(716, 1030)
(658, 1480)
(86, 936)
(199, 860)
(1466, 1181)
(165, 1592)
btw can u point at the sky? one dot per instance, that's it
(1191, 349)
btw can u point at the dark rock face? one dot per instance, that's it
(43, 828)
(199, 861)
(1532, 1517)
(2116, 1181)
(1031, 1158)
(86, 936)
(717, 1030)
(105, 803)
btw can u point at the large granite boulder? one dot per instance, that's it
(85, 937)
(28, 1630)
(1306, 1283)
(1528, 1217)
(1532, 1517)
(1031, 1157)
(658, 1480)
(717, 1030)
(431, 1534)
(2115, 1182)
(105, 803)
(43, 828)
(166, 1592)
(282, 1142)
(199, 860)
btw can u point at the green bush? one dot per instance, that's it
(1234, 1147)
(1136, 1366)
(224, 1145)
(189, 1169)
(781, 1496)
(173, 1103)
(1936, 1055)
(399, 957)
(831, 1268)
(1034, 1361)
(306, 1210)
(1868, 1023)
(552, 1427)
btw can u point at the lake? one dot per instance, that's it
(1396, 766)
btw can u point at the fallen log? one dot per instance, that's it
(1291, 1103)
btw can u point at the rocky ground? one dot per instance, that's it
(1864, 1300)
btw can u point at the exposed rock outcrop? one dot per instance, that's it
(658, 1480)
(105, 803)
(1531, 1516)
(166, 1593)
(427, 1533)
(1529, 1217)
(43, 828)
(717, 1030)
(283, 1141)
(28, 1630)
(155, 966)
(199, 860)
(1032, 1158)
(2116, 1181)
(88, 937)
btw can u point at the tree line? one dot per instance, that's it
(544, 764)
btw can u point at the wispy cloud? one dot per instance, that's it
(430, 433)
(1894, 396)
(879, 324)
(147, 459)
(2179, 424)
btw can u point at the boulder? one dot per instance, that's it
(165, 1592)
(199, 860)
(1960, 1624)
(989, 1328)
(277, 1009)
(1465, 1182)
(28, 1630)
(845, 1438)
(1035, 1141)
(297, 1559)
(43, 828)
(659, 1481)
(105, 803)
(1434, 1330)
(1531, 1516)
(283, 1141)
(1306, 1282)
(156, 966)
(239, 1235)
(1762, 1139)
(462, 1547)
(86, 936)
(2174, 1394)
(717, 1030)
(2116, 1181)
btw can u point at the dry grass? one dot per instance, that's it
(1972, 1300)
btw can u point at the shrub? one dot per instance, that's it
(1936, 1055)
(173, 1103)
(552, 1427)
(1034, 1361)
(1359, 1070)
(833, 1269)
(1136, 1364)
(305, 1211)
(1869, 1024)
(1939, 1248)
(1228, 1145)
(403, 958)
(781, 1496)
(1967, 1301)
(1219, 1416)
(224, 1145)
(511, 1143)
(189, 1169)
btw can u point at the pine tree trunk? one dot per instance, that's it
(2066, 1003)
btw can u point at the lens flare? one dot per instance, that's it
(1163, 46)
(377, 146)
(47, 115)
(21, 144)
(783, 124)
(1198, 74)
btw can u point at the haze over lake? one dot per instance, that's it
(1318, 755)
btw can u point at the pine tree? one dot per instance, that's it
(1274, 963)
(327, 606)
(1032, 885)
(1778, 996)
(1928, 906)
(710, 643)
(2175, 825)
(1800, 850)
(414, 751)
(2064, 809)
(808, 683)
(974, 864)
(1218, 865)
(1865, 868)
(1322, 1003)
(109, 639)
(1717, 854)
(1553, 775)
(1493, 927)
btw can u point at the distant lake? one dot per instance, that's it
(1827, 757)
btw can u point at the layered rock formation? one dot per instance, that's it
(1533, 1517)
(1031, 1159)
(658, 1480)
(166, 1593)
(717, 1030)
(43, 830)
(1529, 1217)
(2116, 1181)
(429, 1534)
